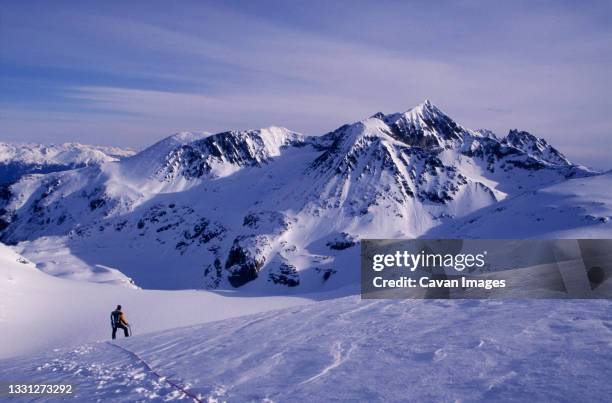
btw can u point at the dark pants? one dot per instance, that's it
(120, 326)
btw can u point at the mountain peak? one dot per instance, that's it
(426, 104)
(535, 146)
(425, 125)
(427, 108)
(516, 136)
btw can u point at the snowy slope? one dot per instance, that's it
(39, 311)
(576, 208)
(271, 210)
(352, 350)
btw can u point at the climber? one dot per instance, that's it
(118, 322)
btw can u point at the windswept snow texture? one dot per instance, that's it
(271, 210)
(352, 350)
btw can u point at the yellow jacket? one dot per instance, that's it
(122, 320)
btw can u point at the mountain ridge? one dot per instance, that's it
(271, 208)
(19, 159)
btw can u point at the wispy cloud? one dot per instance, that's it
(137, 73)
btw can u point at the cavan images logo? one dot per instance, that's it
(456, 268)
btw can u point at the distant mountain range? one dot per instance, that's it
(275, 210)
(19, 159)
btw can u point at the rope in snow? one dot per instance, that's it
(154, 372)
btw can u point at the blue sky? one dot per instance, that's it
(130, 73)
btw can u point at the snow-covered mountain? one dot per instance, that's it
(272, 209)
(18, 159)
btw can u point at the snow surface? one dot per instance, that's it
(576, 208)
(353, 350)
(39, 311)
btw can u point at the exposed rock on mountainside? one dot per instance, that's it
(273, 208)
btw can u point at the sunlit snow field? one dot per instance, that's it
(352, 350)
